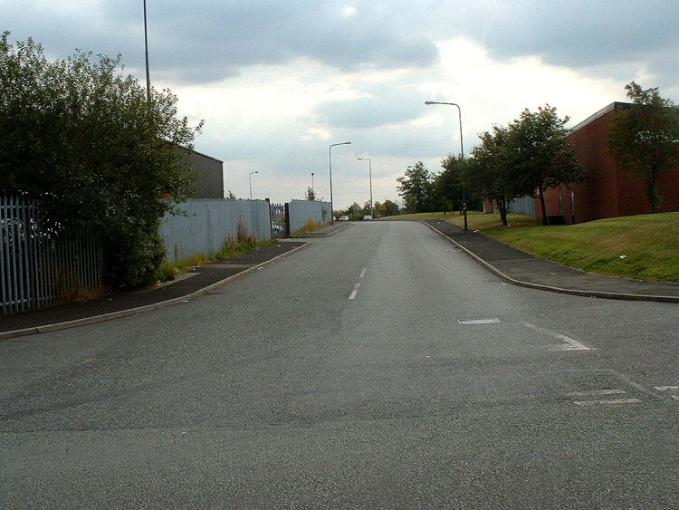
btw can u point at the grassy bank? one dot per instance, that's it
(644, 247)
(475, 220)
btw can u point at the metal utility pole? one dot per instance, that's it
(146, 45)
(250, 176)
(370, 175)
(332, 211)
(464, 191)
(312, 184)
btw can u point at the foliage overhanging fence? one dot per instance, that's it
(42, 266)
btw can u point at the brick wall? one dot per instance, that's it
(606, 192)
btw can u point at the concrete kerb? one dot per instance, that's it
(140, 309)
(550, 288)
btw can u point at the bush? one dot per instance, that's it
(82, 139)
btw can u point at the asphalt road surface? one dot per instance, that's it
(378, 368)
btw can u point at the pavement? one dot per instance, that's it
(201, 279)
(522, 269)
(376, 368)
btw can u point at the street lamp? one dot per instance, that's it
(370, 174)
(464, 191)
(146, 45)
(250, 177)
(332, 212)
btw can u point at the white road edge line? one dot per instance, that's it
(665, 388)
(352, 296)
(584, 403)
(573, 345)
(363, 272)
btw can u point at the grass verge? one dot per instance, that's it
(644, 247)
(309, 226)
(233, 247)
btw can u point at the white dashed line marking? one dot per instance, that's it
(363, 272)
(476, 322)
(585, 403)
(571, 344)
(667, 388)
(595, 393)
(352, 296)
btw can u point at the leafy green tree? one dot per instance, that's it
(449, 184)
(81, 138)
(390, 208)
(230, 195)
(540, 153)
(417, 188)
(355, 212)
(488, 173)
(645, 138)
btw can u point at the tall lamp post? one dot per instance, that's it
(332, 212)
(312, 184)
(250, 176)
(370, 175)
(464, 191)
(146, 46)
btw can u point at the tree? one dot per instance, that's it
(540, 154)
(390, 208)
(449, 184)
(82, 139)
(230, 195)
(645, 139)
(488, 173)
(355, 212)
(310, 194)
(416, 188)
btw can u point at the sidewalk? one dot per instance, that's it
(120, 304)
(525, 270)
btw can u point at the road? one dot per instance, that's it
(377, 368)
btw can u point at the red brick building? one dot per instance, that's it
(607, 191)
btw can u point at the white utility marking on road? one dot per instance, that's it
(595, 393)
(363, 272)
(665, 388)
(353, 292)
(584, 403)
(474, 322)
(573, 345)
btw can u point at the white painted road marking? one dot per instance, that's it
(614, 401)
(475, 322)
(572, 344)
(595, 393)
(666, 388)
(353, 292)
(363, 272)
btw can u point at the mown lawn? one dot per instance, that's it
(645, 247)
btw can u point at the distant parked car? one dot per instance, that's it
(367, 217)
(344, 218)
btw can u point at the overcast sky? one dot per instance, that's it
(277, 81)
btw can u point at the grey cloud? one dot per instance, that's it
(388, 106)
(578, 33)
(196, 41)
